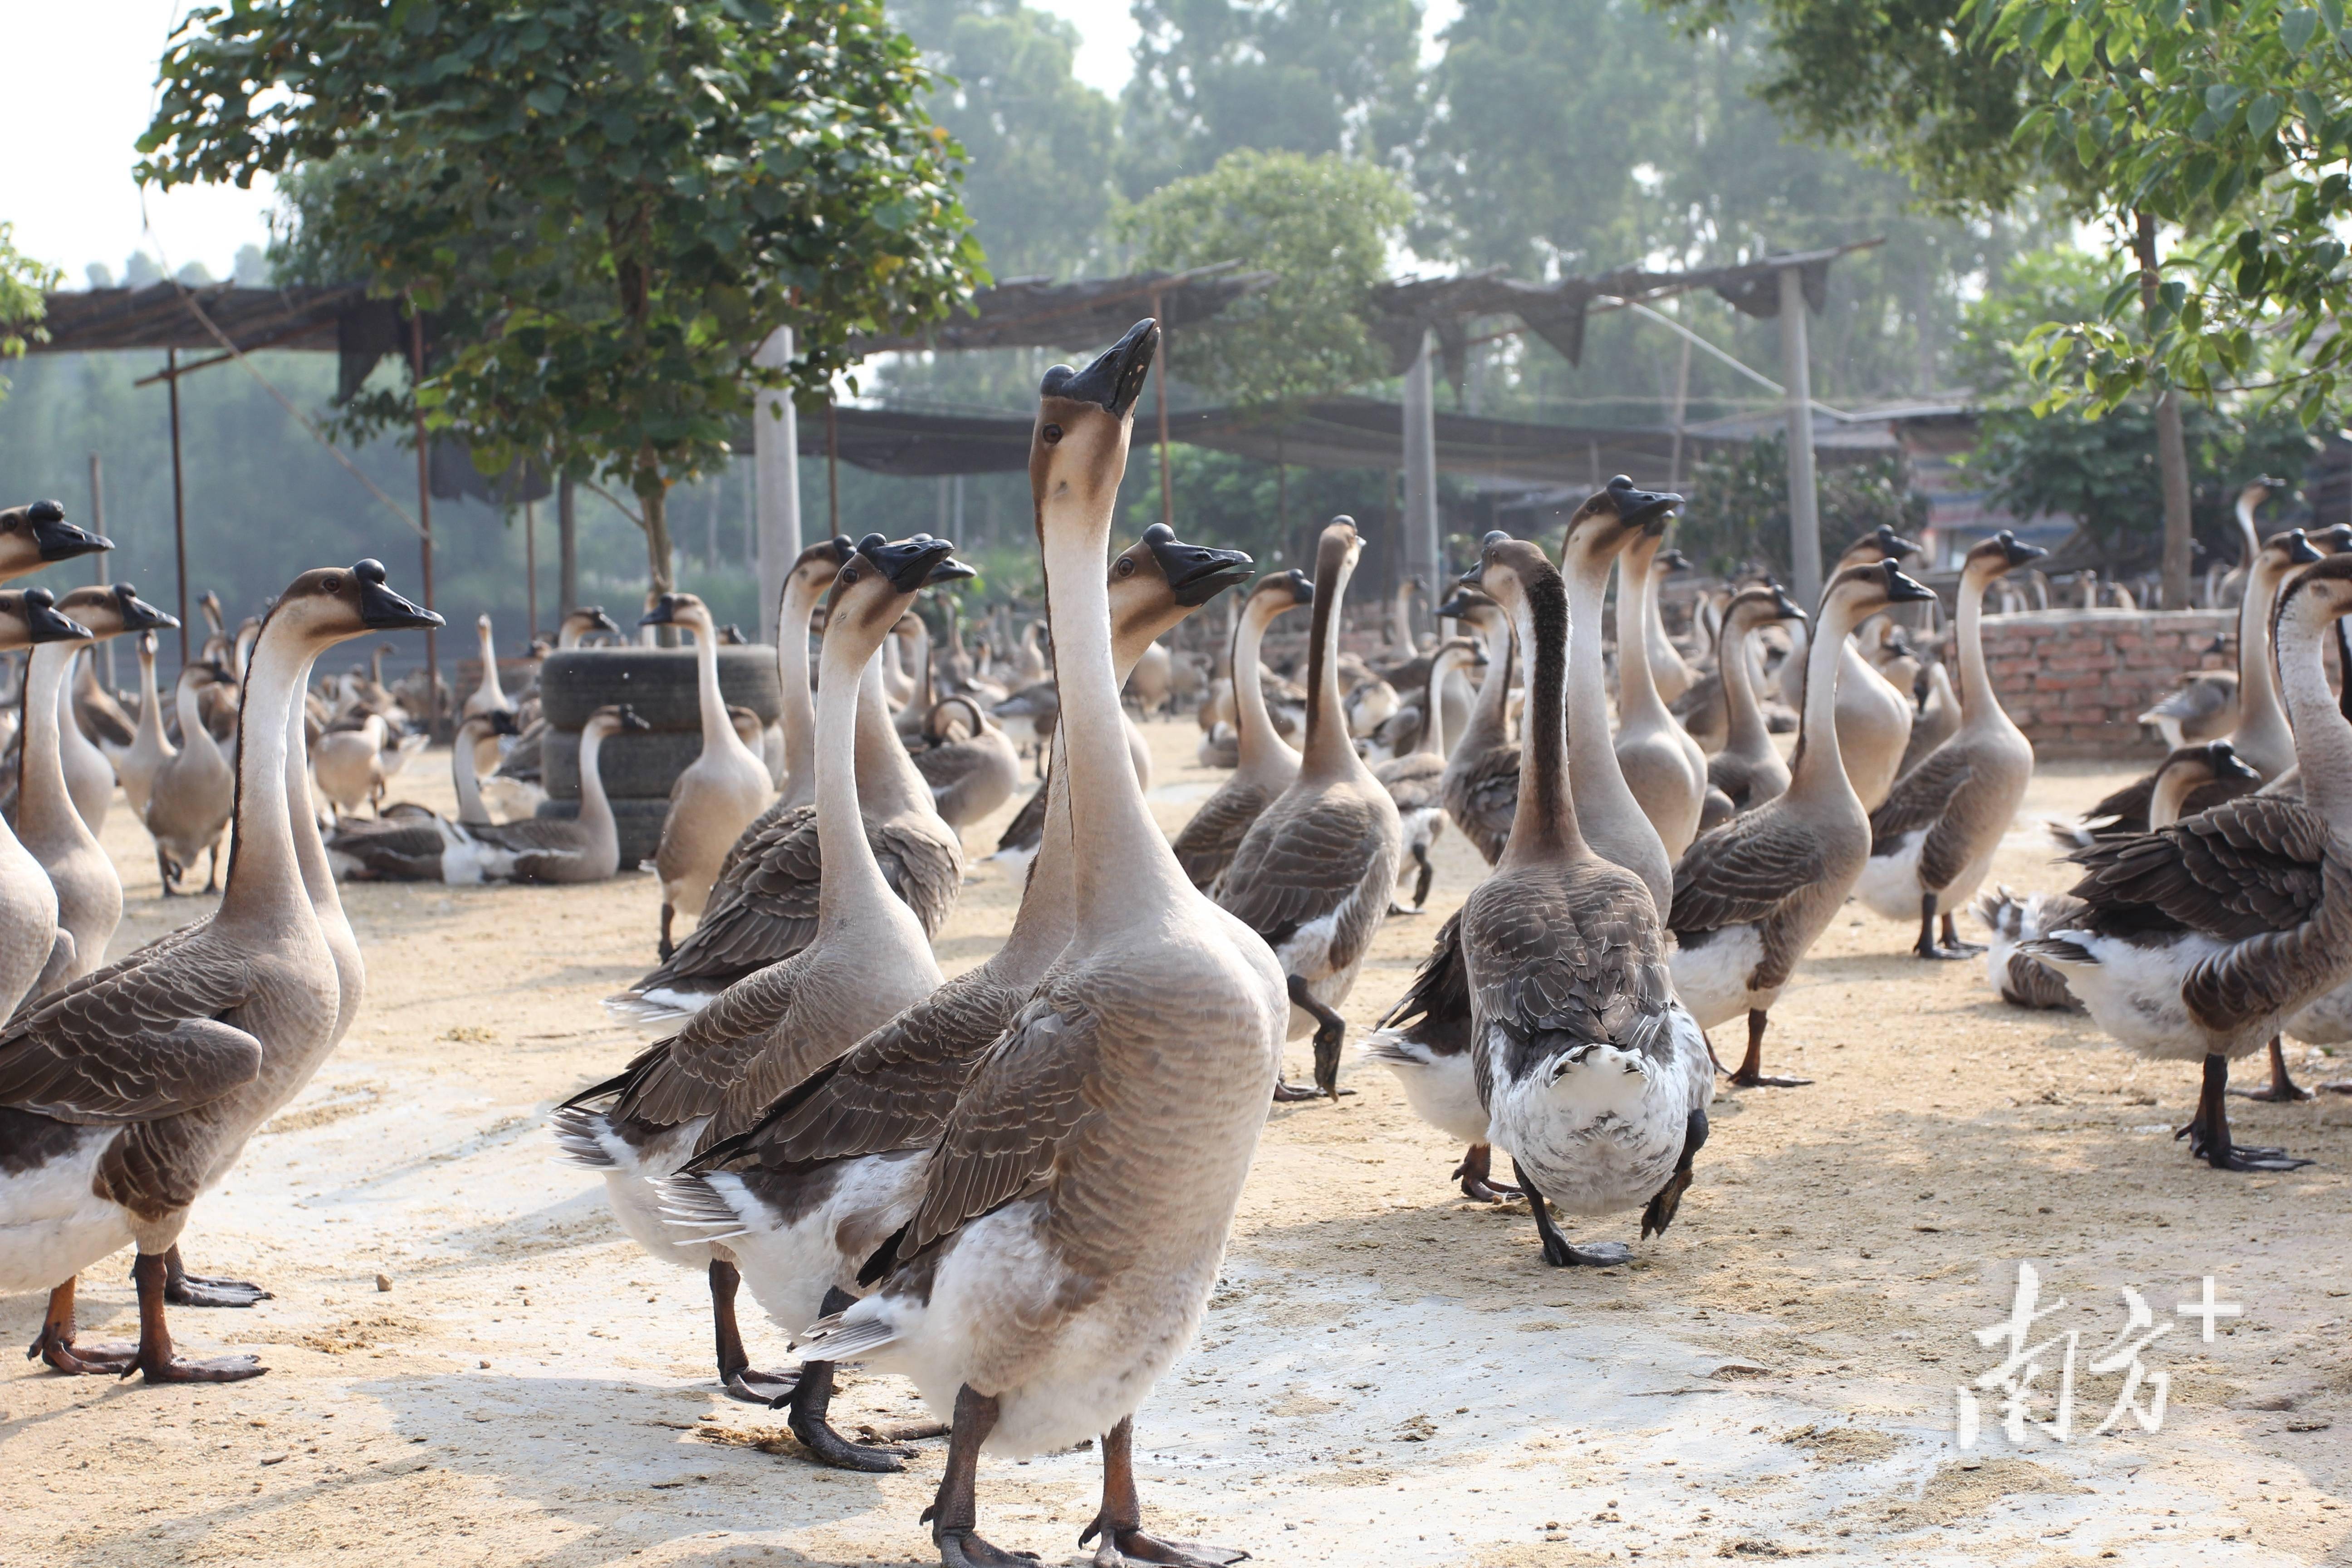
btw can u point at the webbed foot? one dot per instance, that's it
(965, 1549)
(1123, 1546)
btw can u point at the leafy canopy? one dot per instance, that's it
(1323, 225)
(22, 282)
(624, 197)
(1738, 515)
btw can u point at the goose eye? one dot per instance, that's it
(333, 586)
(1125, 567)
(1050, 434)
(849, 574)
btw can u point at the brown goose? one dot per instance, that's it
(89, 722)
(89, 892)
(1933, 839)
(720, 792)
(194, 794)
(37, 534)
(1416, 781)
(2204, 709)
(150, 747)
(2014, 920)
(1938, 718)
(1668, 670)
(1315, 873)
(1051, 1272)
(1750, 896)
(837, 1164)
(868, 958)
(1662, 765)
(2200, 941)
(28, 904)
(1267, 765)
(125, 1097)
(1749, 770)
(969, 765)
(1873, 718)
(1481, 787)
(1594, 1081)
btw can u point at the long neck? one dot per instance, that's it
(1401, 619)
(1545, 824)
(264, 878)
(1657, 649)
(1330, 751)
(2262, 734)
(922, 649)
(796, 714)
(1490, 715)
(1637, 688)
(886, 775)
(1432, 742)
(2322, 738)
(595, 806)
(1745, 732)
(149, 713)
(42, 803)
(1127, 874)
(469, 787)
(850, 872)
(1819, 765)
(490, 667)
(1977, 704)
(1259, 745)
(1592, 769)
(310, 854)
(717, 730)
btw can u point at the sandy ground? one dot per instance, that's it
(469, 1362)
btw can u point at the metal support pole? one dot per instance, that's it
(1160, 389)
(832, 469)
(179, 497)
(425, 527)
(98, 560)
(1682, 406)
(775, 482)
(531, 560)
(1804, 513)
(1421, 475)
(567, 544)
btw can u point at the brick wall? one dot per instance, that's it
(2077, 681)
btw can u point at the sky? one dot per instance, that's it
(82, 90)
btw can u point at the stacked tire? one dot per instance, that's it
(639, 766)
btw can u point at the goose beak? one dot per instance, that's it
(1786, 608)
(1115, 379)
(57, 539)
(1904, 590)
(2228, 764)
(1461, 604)
(632, 720)
(908, 563)
(951, 571)
(2017, 552)
(603, 622)
(663, 614)
(137, 614)
(381, 610)
(1302, 586)
(49, 624)
(1673, 561)
(2299, 550)
(1195, 572)
(1645, 509)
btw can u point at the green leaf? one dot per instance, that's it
(2332, 12)
(2262, 114)
(2223, 96)
(2296, 27)
(547, 96)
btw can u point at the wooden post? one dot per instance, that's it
(2171, 445)
(567, 544)
(832, 471)
(424, 524)
(531, 558)
(179, 497)
(1804, 501)
(98, 558)
(1159, 387)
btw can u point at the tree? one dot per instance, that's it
(628, 197)
(1323, 225)
(1214, 76)
(1739, 516)
(22, 282)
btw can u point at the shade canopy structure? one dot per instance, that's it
(1036, 312)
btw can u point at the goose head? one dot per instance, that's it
(1077, 453)
(2333, 541)
(1159, 580)
(1336, 554)
(1871, 585)
(33, 617)
(1673, 561)
(586, 621)
(110, 609)
(328, 604)
(1513, 573)
(2002, 553)
(614, 719)
(1282, 591)
(36, 534)
(953, 717)
(2282, 554)
(2215, 760)
(1468, 602)
(1881, 543)
(1610, 519)
(1456, 653)
(1765, 605)
(2315, 598)
(2256, 490)
(683, 610)
(881, 578)
(209, 603)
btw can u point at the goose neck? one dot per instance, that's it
(2323, 737)
(851, 876)
(1819, 765)
(1489, 721)
(717, 730)
(309, 851)
(1432, 741)
(796, 713)
(595, 805)
(1593, 768)
(1545, 824)
(887, 776)
(1638, 701)
(1258, 744)
(42, 801)
(2263, 736)
(468, 785)
(1978, 703)
(264, 878)
(1331, 751)
(1745, 732)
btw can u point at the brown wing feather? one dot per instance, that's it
(1208, 843)
(1743, 870)
(1304, 857)
(1576, 951)
(2247, 869)
(1919, 797)
(138, 1042)
(1414, 782)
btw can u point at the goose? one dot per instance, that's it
(350, 766)
(2205, 707)
(2013, 919)
(1660, 762)
(1752, 896)
(193, 792)
(1933, 839)
(1749, 770)
(90, 891)
(1315, 873)
(1370, 702)
(971, 774)
(150, 748)
(1403, 644)
(1147, 686)
(715, 799)
(1266, 765)
(1416, 781)
(1609, 817)
(101, 717)
(28, 904)
(2262, 738)
(837, 1163)
(922, 692)
(123, 1099)
(1595, 1081)
(1669, 671)
(2200, 941)
(869, 960)
(1051, 1273)
(89, 777)
(764, 908)
(37, 534)
(1938, 718)
(2251, 497)
(1873, 718)
(1481, 787)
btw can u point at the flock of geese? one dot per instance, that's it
(966, 1182)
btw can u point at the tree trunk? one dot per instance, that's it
(2171, 445)
(567, 543)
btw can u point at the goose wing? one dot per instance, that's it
(1743, 870)
(1027, 828)
(1303, 859)
(1415, 781)
(1208, 843)
(1919, 797)
(1581, 957)
(132, 1044)
(922, 862)
(713, 1060)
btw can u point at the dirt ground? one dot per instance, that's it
(470, 1364)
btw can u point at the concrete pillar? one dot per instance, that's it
(1421, 542)
(1804, 509)
(776, 480)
